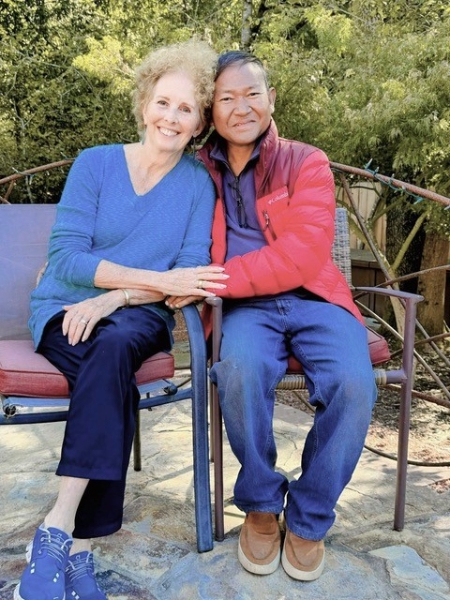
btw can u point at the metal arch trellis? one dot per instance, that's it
(11, 180)
(342, 171)
(418, 194)
(395, 184)
(367, 173)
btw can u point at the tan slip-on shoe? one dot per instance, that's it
(302, 559)
(260, 543)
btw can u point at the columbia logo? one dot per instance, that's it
(279, 197)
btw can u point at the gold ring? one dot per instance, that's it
(83, 321)
(200, 283)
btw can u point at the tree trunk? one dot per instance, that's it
(400, 222)
(246, 35)
(431, 286)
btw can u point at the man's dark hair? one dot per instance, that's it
(227, 59)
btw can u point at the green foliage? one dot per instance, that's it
(66, 70)
(367, 81)
(363, 80)
(47, 105)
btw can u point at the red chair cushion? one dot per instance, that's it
(378, 347)
(23, 372)
(378, 350)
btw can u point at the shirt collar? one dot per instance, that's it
(219, 151)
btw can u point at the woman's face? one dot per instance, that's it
(172, 114)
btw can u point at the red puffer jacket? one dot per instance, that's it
(295, 207)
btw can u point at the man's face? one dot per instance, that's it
(242, 105)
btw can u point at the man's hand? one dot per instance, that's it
(180, 301)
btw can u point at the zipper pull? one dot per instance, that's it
(268, 225)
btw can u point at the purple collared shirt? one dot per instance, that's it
(243, 230)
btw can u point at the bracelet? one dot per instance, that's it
(126, 293)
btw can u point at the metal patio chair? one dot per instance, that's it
(295, 379)
(32, 390)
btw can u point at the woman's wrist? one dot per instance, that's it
(157, 281)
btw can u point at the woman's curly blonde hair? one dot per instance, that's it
(195, 58)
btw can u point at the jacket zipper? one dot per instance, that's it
(268, 225)
(242, 217)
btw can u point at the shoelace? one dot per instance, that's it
(80, 568)
(53, 545)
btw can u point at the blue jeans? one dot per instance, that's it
(258, 336)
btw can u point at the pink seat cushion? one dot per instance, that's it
(23, 372)
(378, 349)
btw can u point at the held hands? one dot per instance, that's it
(179, 286)
(180, 301)
(193, 282)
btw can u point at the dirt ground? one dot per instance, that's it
(429, 439)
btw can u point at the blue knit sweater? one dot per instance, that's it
(101, 217)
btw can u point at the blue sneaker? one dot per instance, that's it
(80, 579)
(47, 555)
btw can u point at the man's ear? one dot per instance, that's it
(272, 96)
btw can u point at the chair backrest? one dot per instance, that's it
(24, 235)
(341, 245)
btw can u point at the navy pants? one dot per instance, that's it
(103, 402)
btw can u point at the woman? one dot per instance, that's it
(132, 231)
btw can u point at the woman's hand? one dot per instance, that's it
(181, 281)
(81, 318)
(193, 281)
(41, 272)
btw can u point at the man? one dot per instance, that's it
(273, 230)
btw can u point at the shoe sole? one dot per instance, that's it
(17, 595)
(298, 574)
(255, 568)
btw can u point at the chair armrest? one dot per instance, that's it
(409, 324)
(216, 304)
(410, 301)
(414, 298)
(196, 335)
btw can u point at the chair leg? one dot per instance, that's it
(211, 412)
(203, 518)
(402, 457)
(202, 490)
(405, 415)
(137, 444)
(217, 435)
(216, 424)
